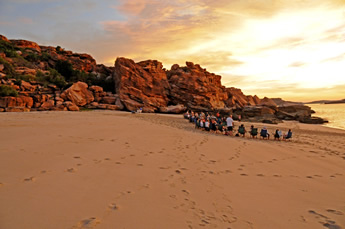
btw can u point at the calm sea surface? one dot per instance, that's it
(334, 113)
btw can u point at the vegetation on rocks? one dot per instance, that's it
(7, 91)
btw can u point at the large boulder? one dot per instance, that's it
(312, 120)
(141, 85)
(78, 94)
(20, 101)
(177, 109)
(71, 106)
(196, 88)
(297, 110)
(257, 111)
(47, 105)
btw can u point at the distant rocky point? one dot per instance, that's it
(327, 101)
(41, 78)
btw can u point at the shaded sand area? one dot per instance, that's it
(106, 169)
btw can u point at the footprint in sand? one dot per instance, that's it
(260, 175)
(113, 206)
(88, 223)
(335, 212)
(107, 159)
(76, 157)
(243, 174)
(164, 167)
(324, 220)
(185, 191)
(43, 171)
(71, 170)
(30, 179)
(140, 164)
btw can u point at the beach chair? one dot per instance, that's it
(288, 136)
(264, 133)
(254, 132)
(241, 130)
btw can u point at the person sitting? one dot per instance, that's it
(214, 126)
(207, 125)
(264, 133)
(277, 135)
(253, 131)
(242, 130)
(288, 135)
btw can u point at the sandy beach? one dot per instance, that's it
(108, 169)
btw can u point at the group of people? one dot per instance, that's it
(225, 125)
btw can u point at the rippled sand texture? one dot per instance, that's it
(121, 170)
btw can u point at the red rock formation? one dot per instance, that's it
(80, 61)
(26, 44)
(195, 87)
(256, 99)
(141, 85)
(3, 38)
(78, 94)
(71, 106)
(268, 102)
(20, 101)
(47, 105)
(237, 99)
(255, 111)
(177, 109)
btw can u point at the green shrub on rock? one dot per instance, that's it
(7, 91)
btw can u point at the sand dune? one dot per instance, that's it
(106, 169)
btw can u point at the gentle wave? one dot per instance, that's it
(334, 113)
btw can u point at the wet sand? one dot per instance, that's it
(105, 169)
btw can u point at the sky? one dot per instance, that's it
(293, 49)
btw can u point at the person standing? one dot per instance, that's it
(230, 124)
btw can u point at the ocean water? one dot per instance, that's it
(334, 113)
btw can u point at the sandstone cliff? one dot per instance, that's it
(48, 78)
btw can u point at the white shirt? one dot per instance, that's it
(229, 121)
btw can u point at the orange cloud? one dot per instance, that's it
(270, 47)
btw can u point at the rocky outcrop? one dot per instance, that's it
(281, 102)
(80, 61)
(255, 111)
(20, 101)
(237, 99)
(145, 85)
(141, 85)
(177, 109)
(3, 38)
(268, 103)
(71, 106)
(195, 87)
(297, 110)
(78, 94)
(26, 44)
(312, 120)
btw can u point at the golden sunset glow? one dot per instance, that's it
(275, 48)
